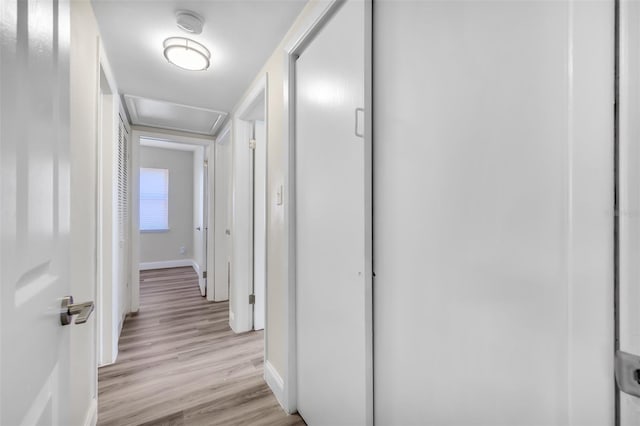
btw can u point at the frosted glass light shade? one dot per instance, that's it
(186, 54)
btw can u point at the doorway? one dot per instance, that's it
(249, 213)
(113, 195)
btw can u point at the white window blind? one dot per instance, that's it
(154, 199)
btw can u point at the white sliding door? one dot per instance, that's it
(332, 211)
(629, 205)
(493, 224)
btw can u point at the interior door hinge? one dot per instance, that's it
(252, 144)
(252, 299)
(204, 274)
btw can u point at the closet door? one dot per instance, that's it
(332, 213)
(493, 222)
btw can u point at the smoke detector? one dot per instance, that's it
(189, 21)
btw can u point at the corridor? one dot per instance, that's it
(179, 363)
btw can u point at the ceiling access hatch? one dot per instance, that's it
(168, 115)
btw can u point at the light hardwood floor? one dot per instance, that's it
(179, 363)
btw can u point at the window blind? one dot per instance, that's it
(154, 199)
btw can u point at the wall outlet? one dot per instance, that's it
(183, 250)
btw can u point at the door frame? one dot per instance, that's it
(107, 97)
(316, 20)
(213, 255)
(138, 132)
(241, 313)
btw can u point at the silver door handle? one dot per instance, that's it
(628, 373)
(68, 309)
(358, 111)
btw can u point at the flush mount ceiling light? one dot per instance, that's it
(186, 53)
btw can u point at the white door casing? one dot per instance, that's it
(242, 268)
(34, 265)
(332, 213)
(259, 224)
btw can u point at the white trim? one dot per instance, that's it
(321, 11)
(135, 118)
(225, 129)
(107, 106)
(159, 134)
(318, 16)
(210, 242)
(91, 419)
(242, 275)
(276, 384)
(163, 264)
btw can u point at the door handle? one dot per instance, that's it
(359, 111)
(197, 228)
(68, 309)
(628, 373)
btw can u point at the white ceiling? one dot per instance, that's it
(241, 35)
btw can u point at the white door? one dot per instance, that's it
(221, 205)
(493, 222)
(34, 260)
(205, 225)
(629, 202)
(333, 352)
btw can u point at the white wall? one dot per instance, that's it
(493, 168)
(83, 159)
(277, 315)
(165, 246)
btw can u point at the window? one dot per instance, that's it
(154, 199)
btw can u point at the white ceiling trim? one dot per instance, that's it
(165, 144)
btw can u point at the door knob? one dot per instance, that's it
(197, 228)
(68, 309)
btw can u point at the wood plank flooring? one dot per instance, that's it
(179, 363)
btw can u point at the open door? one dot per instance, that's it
(34, 260)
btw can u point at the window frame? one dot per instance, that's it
(141, 201)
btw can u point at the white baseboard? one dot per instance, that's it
(144, 266)
(91, 419)
(275, 382)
